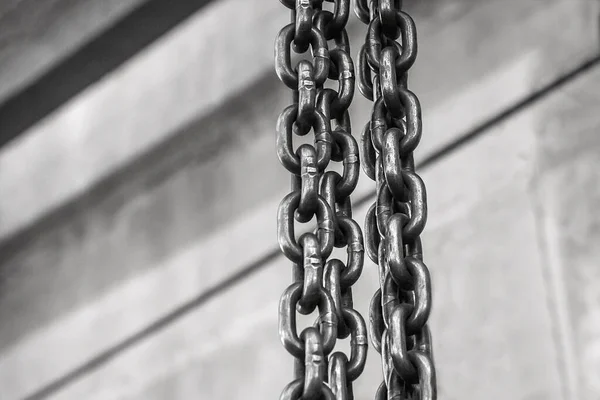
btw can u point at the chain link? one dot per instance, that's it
(319, 282)
(400, 308)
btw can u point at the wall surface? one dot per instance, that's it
(138, 254)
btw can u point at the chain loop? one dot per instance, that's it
(303, 26)
(285, 128)
(349, 150)
(307, 183)
(358, 343)
(307, 94)
(314, 363)
(293, 391)
(287, 320)
(401, 307)
(338, 379)
(313, 273)
(332, 275)
(283, 63)
(320, 284)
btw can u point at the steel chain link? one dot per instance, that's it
(400, 308)
(319, 282)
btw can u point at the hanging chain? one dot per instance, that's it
(400, 308)
(319, 282)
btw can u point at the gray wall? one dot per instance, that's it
(138, 255)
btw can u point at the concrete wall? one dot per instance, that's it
(139, 260)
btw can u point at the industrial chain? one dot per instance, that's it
(319, 282)
(400, 308)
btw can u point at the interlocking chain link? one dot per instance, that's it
(400, 308)
(319, 283)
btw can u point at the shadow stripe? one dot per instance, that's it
(100, 56)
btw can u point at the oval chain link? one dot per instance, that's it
(319, 282)
(400, 308)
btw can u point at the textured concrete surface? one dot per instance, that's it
(512, 219)
(169, 85)
(492, 328)
(568, 195)
(36, 35)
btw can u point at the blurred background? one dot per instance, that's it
(139, 189)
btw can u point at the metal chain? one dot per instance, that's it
(319, 282)
(400, 308)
